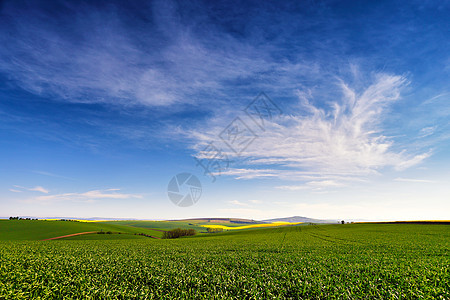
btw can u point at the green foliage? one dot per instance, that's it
(178, 232)
(356, 261)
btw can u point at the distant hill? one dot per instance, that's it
(295, 219)
(220, 220)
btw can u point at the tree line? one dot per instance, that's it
(178, 232)
(19, 218)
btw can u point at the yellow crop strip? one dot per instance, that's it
(274, 224)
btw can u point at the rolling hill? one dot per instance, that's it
(296, 219)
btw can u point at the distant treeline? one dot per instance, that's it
(18, 218)
(242, 222)
(143, 234)
(178, 232)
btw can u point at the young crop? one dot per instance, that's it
(304, 262)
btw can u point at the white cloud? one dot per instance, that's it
(162, 67)
(249, 173)
(413, 180)
(292, 187)
(424, 132)
(255, 201)
(316, 185)
(39, 189)
(237, 202)
(89, 196)
(34, 189)
(328, 146)
(324, 183)
(51, 174)
(432, 99)
(248, 203)
(408, 163)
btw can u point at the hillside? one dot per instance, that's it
(219, 220)
(40, 229)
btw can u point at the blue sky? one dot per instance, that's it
(102, 104)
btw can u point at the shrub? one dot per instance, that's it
(178, 232)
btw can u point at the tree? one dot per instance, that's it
(178, 232)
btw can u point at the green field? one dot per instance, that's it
(39, 230)
(102, 237)
(372, 261)
(163, 225)
(44, 229)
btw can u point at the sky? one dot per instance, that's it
(324, 109)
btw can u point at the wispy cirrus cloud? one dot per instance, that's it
(51, 174)
(426, 131)
(19, 189)
(413, 180)
(89, 196)
(238, 203)
(327, 146)
(315, 185)
(169, 61)
(83, 60)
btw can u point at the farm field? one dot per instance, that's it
(161, 225)
(44, 229)
(372, 261)
(39, 230)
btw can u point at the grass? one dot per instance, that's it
(103, 237)
(371, 261)
(39, 230)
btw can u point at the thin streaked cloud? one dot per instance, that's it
(344, 140)
(414, 180)
(89, 196)
(40, 189)
(51, 175)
